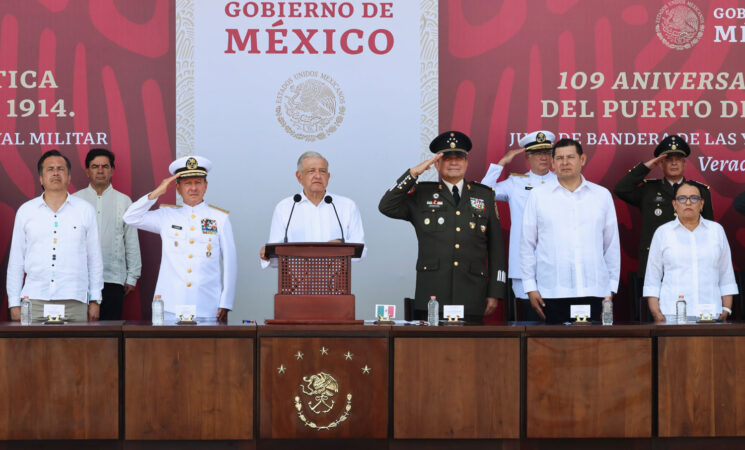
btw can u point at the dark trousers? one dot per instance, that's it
(113, 301)
(557, 309)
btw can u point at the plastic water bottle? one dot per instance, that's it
(157, 310)
(680, 310)
(433, 311)
(25, 311)
(607, 311)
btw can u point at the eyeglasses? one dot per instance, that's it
(683, 199)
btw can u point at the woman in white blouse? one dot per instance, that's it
(689, 256)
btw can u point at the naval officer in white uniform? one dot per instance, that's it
(516, 189)
(196, 237)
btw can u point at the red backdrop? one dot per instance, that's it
(113, 62)
(499, 59)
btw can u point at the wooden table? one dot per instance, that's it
(456, 382)
(60, 381)
(136, 386)
(188, 382)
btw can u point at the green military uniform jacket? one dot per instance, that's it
(461, 254)
(654, 199)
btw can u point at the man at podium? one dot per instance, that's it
(314, 215)
(461, 257)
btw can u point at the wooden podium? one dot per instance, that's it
(314, 282)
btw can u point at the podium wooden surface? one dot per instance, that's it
(314, 282)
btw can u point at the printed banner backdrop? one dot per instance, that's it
(267, 81)
(75, 75)
(617, 76)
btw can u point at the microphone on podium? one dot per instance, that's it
(296, 199)
(330, 200)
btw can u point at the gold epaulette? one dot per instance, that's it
(165, 205)
(219, 209)
(518, 175)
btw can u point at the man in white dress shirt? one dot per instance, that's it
(570, 252)
(55, 245)
(515, 190)
(313, 218)
(120, 245)
(195, 237)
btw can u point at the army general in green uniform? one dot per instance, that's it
(654, 196)
(461, 256)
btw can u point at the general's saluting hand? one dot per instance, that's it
(424, 165)
(654, 162)
(163, 188)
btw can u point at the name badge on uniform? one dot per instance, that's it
(477, 203)
(176, 227)
(527, 188)
(209, 226)
(434, 203)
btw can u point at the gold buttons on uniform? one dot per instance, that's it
(455, 263)
(188, 270)
(191, 241)
(191, 228)
(457, 213)
(457, 245)
(193, 216)
(188, 284)
(190, 256)
(425, 267)
(457, 228)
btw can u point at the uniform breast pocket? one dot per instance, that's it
(432, 221)
(75, 234)
(207, 245)
(175, 239)
(478, 223)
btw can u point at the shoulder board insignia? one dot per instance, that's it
(219, 209)
(475, 184)
(165, 205)
(651, 180)
(700, 184)
(518, 175)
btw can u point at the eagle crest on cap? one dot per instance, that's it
(191, 163)
(540, 137)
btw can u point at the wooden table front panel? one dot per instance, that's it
(700, 386)
(189, 388)
(323, 387)
(59, 388)
(589, 387)
(457, 388)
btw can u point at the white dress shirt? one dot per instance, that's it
(696, 264)
(515, 190)
(570, 246)
(311, 223)
(120, 245)
(59, 253)
(194, 240)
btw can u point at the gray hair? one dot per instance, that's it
(309, 154)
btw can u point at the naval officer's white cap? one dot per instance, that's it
(537, 140)
(190, 166)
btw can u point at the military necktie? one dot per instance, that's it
(456, 195)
